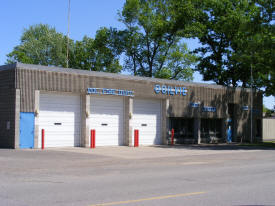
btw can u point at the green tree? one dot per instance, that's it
(235, 35)
(150, 45)
(106, 52)
(95, 54)
(254, 47)
(40, 44)
(268, 112)
(83, 54)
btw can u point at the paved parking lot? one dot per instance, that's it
(148, 152)
(189, 175)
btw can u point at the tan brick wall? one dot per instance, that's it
(29, 80)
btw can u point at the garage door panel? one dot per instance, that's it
(146, 119)
(55, 116)
(150, 112)
(104, 124)
(99, 99)
(61, 109)
(51, 112)
(60, 117)
(101, 107)
(57, 108)
(68, 132)
(48, 97)
(148, 116)
(60, 136)
(107, 112)
(105, 128)
(148, 130)
(105, 134)
(51, 121)
(100, 127)
(107, 119)
(64, 121)
(51, 102)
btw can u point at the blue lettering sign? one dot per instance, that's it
(92, 91)
(229, 120)
(157, 89)
(122, 93)
(209, 109)
(129, 93)
(245, 108)
(107, 91)
(177, 90)
(194, 104)
(170, 90)
(103, 91)
(163, 89)
(183, 91)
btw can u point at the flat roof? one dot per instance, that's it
(19, 65)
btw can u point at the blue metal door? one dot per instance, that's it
(26, 130)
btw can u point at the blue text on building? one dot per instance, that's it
(108, 91)
(209, 109)
(170, 90)
(195, 104)
(245, 108)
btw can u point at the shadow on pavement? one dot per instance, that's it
(232, 146)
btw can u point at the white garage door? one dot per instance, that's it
(146, 119)
(107, 119)
(60, 117)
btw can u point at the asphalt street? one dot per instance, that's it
(160, 176)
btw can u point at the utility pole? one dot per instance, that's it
(251, 105)
(69, 8)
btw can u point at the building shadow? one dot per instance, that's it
(218, 147)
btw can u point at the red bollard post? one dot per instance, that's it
(136, 137)
(43, 139)
(92, 141)
(172, 136)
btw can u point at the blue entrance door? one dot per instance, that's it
(26, 130)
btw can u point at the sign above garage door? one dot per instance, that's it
(108, 91)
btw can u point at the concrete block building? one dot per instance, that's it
(68, 103)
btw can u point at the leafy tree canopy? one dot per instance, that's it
(235, 35)
(41, 44)
(150, 45)
(268, 112)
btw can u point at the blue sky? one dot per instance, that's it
(87, 16)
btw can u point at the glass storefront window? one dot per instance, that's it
(184, 129)
(211, 128)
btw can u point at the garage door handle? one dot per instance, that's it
(144, 125)
(57, 123)
(104, 124)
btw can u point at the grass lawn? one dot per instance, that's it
(262, 144)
